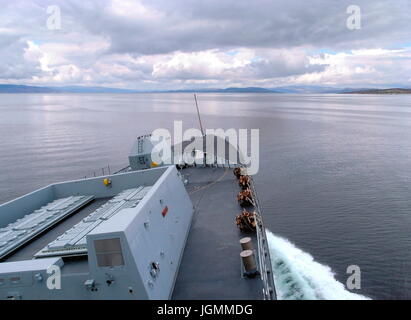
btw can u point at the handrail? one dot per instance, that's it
(104, 171)
(267, 276)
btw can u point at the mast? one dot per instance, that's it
(198, 113)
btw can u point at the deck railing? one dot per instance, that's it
(105, 171)
(264, 258)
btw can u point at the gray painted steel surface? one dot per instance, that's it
(129, 242)
(211, 265)
(16, 234)
(133, 254)
(73, 241)
(140, 154)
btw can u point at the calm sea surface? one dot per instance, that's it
(335, 170)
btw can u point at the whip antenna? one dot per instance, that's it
(198, 113)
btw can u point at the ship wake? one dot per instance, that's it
(299, 277)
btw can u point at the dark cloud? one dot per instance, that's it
(158, 42)
(201, 25)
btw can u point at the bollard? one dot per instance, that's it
(249, 263)
(246, 243)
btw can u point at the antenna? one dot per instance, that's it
(198, 113)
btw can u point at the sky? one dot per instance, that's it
(182, 44)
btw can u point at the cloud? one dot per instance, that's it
(157, 44)
(162, 26)
(245, 64)
(362, 67)
(17, 60)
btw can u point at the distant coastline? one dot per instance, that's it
(11, 88)
(296, 89)
(382, 91)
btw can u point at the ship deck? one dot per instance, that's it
(211, 264)
(210, 267)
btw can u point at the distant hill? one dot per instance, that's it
(300, 89)
(297, 89)
(307, 89)
(226, 90)
(381, 91)
(250, 89)
(80, 89)
(11, 88)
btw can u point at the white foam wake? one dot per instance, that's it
(298, 276)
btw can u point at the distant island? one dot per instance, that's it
(382, 91)
(293, 89)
